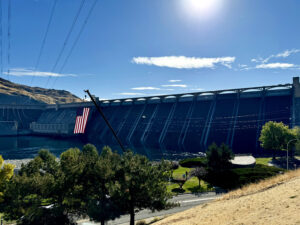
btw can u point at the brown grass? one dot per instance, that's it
(272, 201)
(41, 95)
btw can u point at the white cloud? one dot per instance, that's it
(145, 88)
(29, 72)
(283, 54)
(244, 66)
(287, 53)
(275, 66)
(175, 85)
(183, 62)
(174, 81)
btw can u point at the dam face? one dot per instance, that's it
(171, 124)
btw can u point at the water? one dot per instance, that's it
(23, 147)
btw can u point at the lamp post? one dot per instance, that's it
(287, 152)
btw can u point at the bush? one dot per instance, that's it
(141, 222)
(218, 158)
(174, 165)
(193, 162)
(236, 178)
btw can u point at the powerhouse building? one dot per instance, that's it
(170, 124)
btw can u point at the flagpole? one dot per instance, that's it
(105, 119)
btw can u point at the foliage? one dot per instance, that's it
(142, 186)
(34, 191)
(236, 178)
(275, 136)
(141, 222)
(174, 165)
(193, 162)
(103, 205)
(6, 172)
(199, 172)
(84, 183)
(218, 158)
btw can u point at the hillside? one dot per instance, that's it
(12, 93)
(273, 201)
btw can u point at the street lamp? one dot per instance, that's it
(287, 152)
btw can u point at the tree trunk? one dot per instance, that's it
(132, 216)
(102, 222)
(199, 182)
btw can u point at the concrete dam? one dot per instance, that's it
(170, 124)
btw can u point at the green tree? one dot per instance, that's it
(37, 195)
(103, 205)
(200, 173)
(32, 192)
(143, 185)
(218, 158)
(6, 172)
(275, 136)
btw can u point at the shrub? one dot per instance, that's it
(218, 158)
(174, 165)
(236, 178)
(193, 162)
(141, 222)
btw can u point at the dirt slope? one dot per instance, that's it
(274, 201)
(19, 94)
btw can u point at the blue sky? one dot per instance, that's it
(147, 47)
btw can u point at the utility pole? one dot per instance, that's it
(106, 121)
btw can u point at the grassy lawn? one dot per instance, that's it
(263, 161)
(190, 186)
(6, 222)
(180, 171)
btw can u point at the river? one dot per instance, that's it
(25, 147)
(22, 147)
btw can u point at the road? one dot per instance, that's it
(186, 201)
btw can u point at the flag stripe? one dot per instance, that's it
(85, 120)
(76, 125)
(81, 121)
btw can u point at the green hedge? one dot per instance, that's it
(193, 162)
(236, 178)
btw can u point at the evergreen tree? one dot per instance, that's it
(218, 158)
(143, 185)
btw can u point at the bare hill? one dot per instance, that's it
(12, 93)
(273, 201)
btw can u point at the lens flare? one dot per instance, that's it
(201, 8)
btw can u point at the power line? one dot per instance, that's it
(8, 37)
(67, 38)
(44, 39)
(77, 38)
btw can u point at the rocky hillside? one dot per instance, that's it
(12, 93)
(275, 201)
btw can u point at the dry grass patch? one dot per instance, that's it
(272, 201)
(262, 185)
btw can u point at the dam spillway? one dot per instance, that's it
(170, 124)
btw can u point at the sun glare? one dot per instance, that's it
(201, 8)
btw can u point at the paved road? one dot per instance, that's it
(186, 201)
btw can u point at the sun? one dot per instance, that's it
(201, 8)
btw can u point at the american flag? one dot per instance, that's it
(81, 121)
